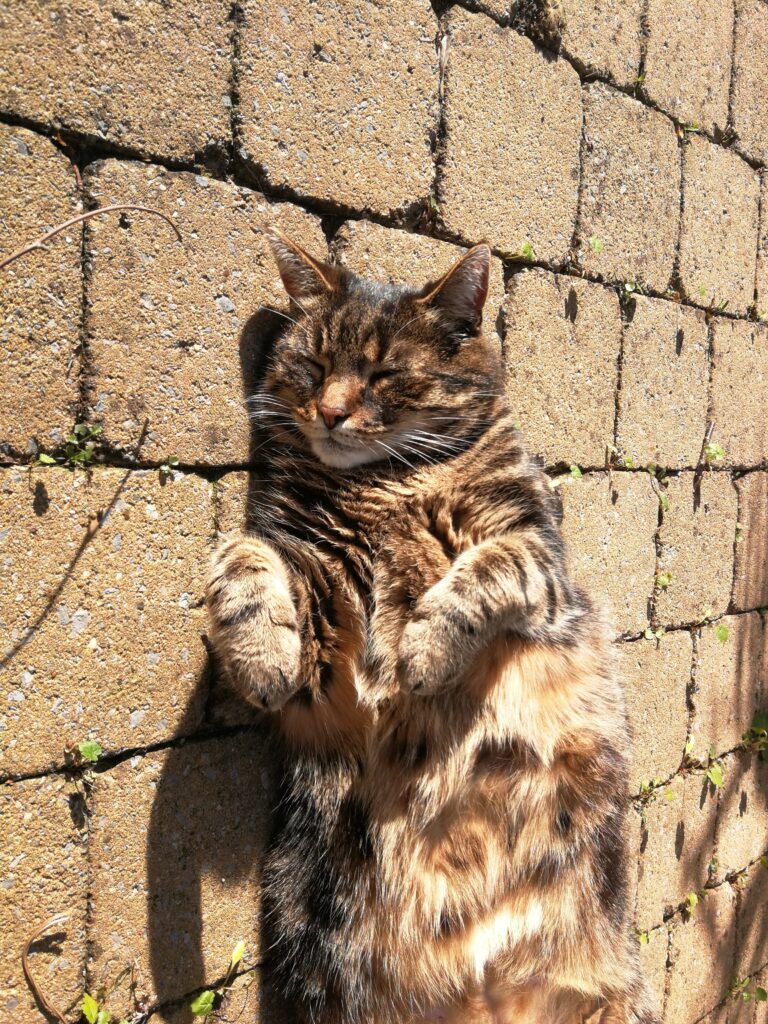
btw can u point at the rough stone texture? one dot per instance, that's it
(406, 258)
(656, 675)
(696, 547)
(664, 381)
(102, 69)
(363, 76)
(609, 525)
(562, 344)
(739, 394)
(42, 873)
(603, 36)
(719, 228)
(761, 278)
(677, 844)
(99, 610)
(750, 574)
(653, 962)
(728, 683)
(168, 351)
(688, 60)
(752, 925)
(40, 307)
(750, 92)
(509, 108)
(742, 833)
(179, 874)
(702, 953)
(630, 192)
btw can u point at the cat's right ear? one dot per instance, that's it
(302, 275)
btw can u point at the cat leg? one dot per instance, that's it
(514, 581)
(253, 624)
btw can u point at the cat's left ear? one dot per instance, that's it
(302, 275)
(463, 290)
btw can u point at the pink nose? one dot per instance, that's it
(332, 415)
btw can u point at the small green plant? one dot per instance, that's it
(702, 291)
(630, 290)
(575, 472)
(89, 750)
(715, 774)
(721, 306)
(207, 1001)
(756, 737)
(691, 901)
(94, 1014)
(654, 634)
(713, 452)
(526, 251)
(640, 78)
(721, 632)
(663, 580)
(169, 466)
(203, 1004)
(78, 451)
(596, 245)
(739, 990)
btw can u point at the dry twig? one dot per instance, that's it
(45, 1005)
(40, 242)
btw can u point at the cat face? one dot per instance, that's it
(370, 371)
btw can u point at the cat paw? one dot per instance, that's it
(253, 623)
(434, 648)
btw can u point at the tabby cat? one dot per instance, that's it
(451, 842)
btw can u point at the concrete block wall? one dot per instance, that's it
(618, 172)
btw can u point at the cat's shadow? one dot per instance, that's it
(211, 810)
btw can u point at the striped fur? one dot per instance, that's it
(451, 836)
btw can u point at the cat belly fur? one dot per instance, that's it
(488, 852)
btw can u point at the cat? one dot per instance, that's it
(450, 843)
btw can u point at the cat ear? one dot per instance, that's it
(302, 275)
(463, 290)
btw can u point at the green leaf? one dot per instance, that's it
(629, 462)
(761, 996)
(202, 1005)
(596, 245)
(526, 251)
(664, 501)
(80, 428)
(643, 938)
(715, 774)
(237, 955)
(45, 460)
(693, 899)
(663, 580)
(103, 1017)
(721, 632)
(90, 750)
(90, 1009)
(713, 451)
(576, 472)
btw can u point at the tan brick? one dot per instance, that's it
(406, 258)
(653, 963)
(603, 36)
(99, 610)
(697, 548)
(688, 60)
(728, 1013)
(677, 845)
(719, 228)
(750, 89)
(156, 78)
(742, 828)
(752, 936)
(702, 956)
(510, 166)
(339, 101)
(664, 381)
(739, 393)
(562, 343)
(761, 281)
(43, 873)
(630, 190)
(750, 576)
(727, 682)
(167, 351)
(656, 675)
(40, 308)
(609, 529)
(176, 881)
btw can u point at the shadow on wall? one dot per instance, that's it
(211, 811)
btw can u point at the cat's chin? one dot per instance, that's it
(341, 456)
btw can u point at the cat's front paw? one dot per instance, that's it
(435, 645)
(253, 623)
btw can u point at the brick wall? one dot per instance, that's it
(621, 184)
